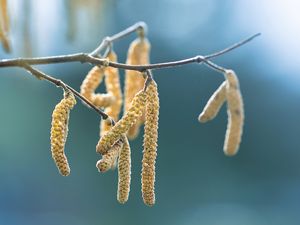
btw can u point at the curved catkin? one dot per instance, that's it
(102, 100)
(59, 132)
(91, 82)
(235, 114)
(150, 144)
(122, 126)
(214, 104)
(113, 87)
(124, 172)
(138, 54)
(107, 161)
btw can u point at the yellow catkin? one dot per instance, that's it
(150, 144)
(107, 161)
(124, 172)
(4, 26)
(214, 104)
(113, 87)
(59, 132)
(138, 54)
(91, 82)
(102, 100)
(5, 17)
(235, 113)
(122, 126)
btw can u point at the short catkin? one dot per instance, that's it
(123, 125)
(235, 113)
(113, 88)
(110, 157)
(124, 172)
(214, 104)
(150, 144)
(59, 132)
(138, 54)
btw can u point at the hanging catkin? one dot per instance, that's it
(59, 132)
(5, 17)
(150, 144)
(122, 126)
(214, 104)
(113, 87)
(124, 172)
(138, 54)
(92, 80)
(110, 157)
(235, 113)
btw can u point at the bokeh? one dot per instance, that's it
(196, 183)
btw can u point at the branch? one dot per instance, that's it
(42, 76)
(92, 58)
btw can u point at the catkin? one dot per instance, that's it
(113, 87)
(107, 161)
(124, 172)
(122, 126)
(138, 54)
(5, 16)
(91, 82)
(59, 132)
(150, 144)
(214, 104)
(235, 113)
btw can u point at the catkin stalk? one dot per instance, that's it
(150, 144)
(138, 54)
(214, 104)
(235, 113)
(123, 125)
(59, 132)
(124, 172)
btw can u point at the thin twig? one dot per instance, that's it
(92, 58)
(108, 40)
(42, 76)
(89, 58)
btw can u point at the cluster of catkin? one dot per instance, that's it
(59, 132)
(228, 91)
(141, 106)
(4, 26)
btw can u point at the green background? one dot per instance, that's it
(196, 183)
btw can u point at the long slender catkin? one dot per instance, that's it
(113, 87)
(150, 144)
(110, 157)
(124, 172)
(59, 132)
(123, 125)
(214, 104)
(235, 113)
(138, 54)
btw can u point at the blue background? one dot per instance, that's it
(195, 183)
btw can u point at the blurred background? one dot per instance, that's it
(196, 183)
